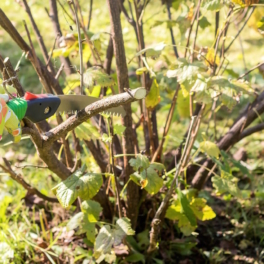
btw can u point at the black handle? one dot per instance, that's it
(40, 109)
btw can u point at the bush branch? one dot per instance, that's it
(16, 177)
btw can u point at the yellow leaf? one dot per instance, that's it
(153, 98)
(210, 58)
(201, 210)
(183, 103)
(210, 148)
(144, 183)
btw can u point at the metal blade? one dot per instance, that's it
(71, 103)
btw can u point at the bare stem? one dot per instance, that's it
(164, 205)
(79, 41)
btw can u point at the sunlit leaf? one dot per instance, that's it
(75, 221)
(95, 76)
(209, 148)
(140, 162)
(85, 185)
(123, 228)
(105, 138)
(153, 51)
(104, 241)
(185, 207)
(245, 3)
(86, 131)
(108, 237)
(174, 212)
(202, 211)
(92, 210)
(183, 104)
(186, 71)
(213, 5)
(226, 184)
(140, 71)
(211, 59)
(148, 179)
(157, 166)
(119, 129)
(153, 97)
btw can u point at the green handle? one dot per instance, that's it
(19, 107)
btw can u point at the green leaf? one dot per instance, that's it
(186, 71)
(119, 129)
(209, 148)
(89, 229)
(202, 211)
(153, 97)
(204, 23)
(78, 184)
(140, 71)
(202, 93)
(86, 52)
(123, 228)
(174, 213)
(236, 163)
(175, 4)
(135, 258)
(103, 242)
(186, 208)
(92, 210)
(183, 246)
(260, 24)
(148, 179)
(157, 166)
(108, 237)
(140, 162)
(95, 76)
(213, 5)
(106, 138)
(75, 221)
(153, 51)
(226, 184)
(86, 131)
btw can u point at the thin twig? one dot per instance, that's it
(7, 168)
(71, 2)
(240, 30)
(111, 131)
(249, 71)
(65, 11)
(51, 53)
(190, 31)
(38, 36)
(167, 125)
(90, 14)
(171, 31)
(163, 206)
(59, 71)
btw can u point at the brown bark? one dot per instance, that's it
(123, 82)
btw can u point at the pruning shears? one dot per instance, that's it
(38, 107)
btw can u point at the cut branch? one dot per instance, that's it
(92, 110)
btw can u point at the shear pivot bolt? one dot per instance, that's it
(47, 110)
